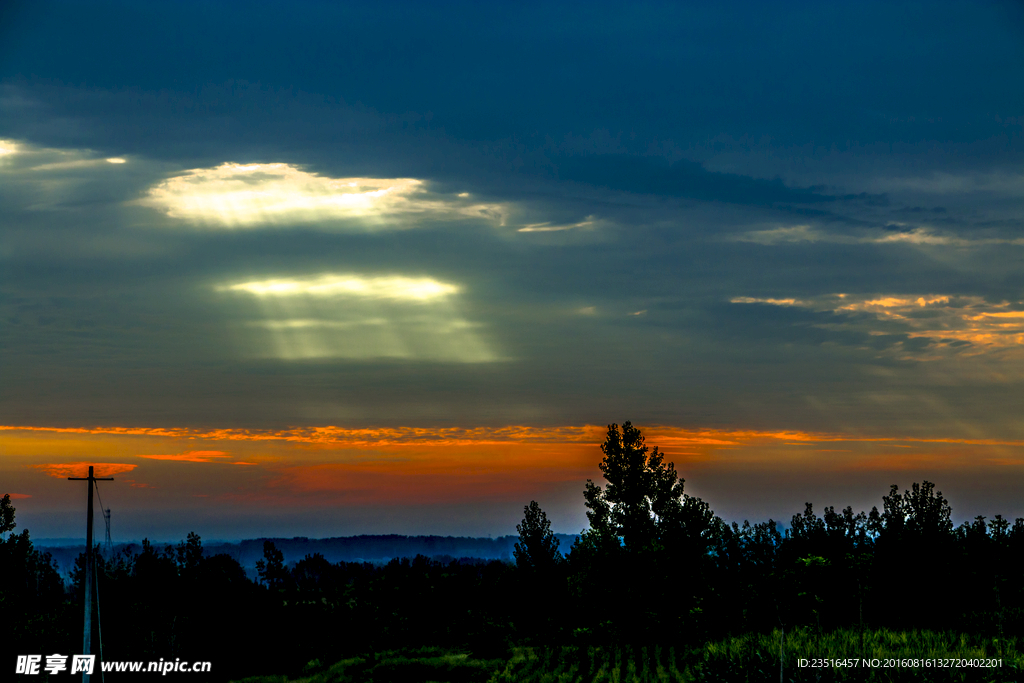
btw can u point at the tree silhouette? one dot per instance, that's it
(6, 514)
(537, 549)
(921, 514)
(642, 491)
(539, 577)
(189, 553)
(271, 569)
(644, 533)
(31, 592)
(914, 553)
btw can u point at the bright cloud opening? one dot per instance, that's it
(360, 317)
(248, 195)
(391, 287)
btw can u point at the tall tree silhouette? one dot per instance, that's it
(537, 549)
(644, 531)
(271, 568)
(642, 488)
(920, 513)
(6, 514)
(914, 553)
(539, 573)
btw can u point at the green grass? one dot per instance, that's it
(406, 666)
(755, 657)
(748, 658)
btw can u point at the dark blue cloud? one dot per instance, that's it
(684, 179)
(798, 73)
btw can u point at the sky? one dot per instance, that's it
(327, 269)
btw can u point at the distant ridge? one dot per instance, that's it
(364, 548)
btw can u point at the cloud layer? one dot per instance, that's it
(718, 219)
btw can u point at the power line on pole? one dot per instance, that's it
(90, 576)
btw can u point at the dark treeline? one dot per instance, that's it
(374, 548)
(364, 548)
(654, 566)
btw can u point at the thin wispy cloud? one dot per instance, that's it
(894, 233)
(36, 161)
(944, 184)
(550, 227)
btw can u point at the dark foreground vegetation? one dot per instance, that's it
(893, 656)
(657, 588)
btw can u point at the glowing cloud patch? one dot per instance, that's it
(190, 456)
(965, 325)
(392, 287)
(361, 317)
(249, 195)
(7, 147)
(81, 469)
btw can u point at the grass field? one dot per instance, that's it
(752, 657)
(407, 666)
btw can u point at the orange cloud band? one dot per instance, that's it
(81, 469)
(337, 466)
(660, 435)
(190, 456)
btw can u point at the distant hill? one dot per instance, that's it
(340, 549)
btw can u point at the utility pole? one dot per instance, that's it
(90, 572)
